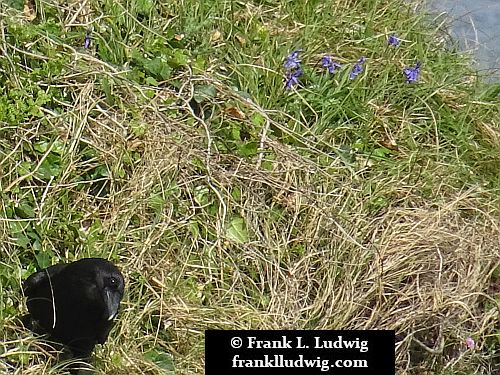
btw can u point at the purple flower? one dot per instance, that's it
(327, 62)
(86, 43)
(470, 343)
(412, 73)
(292, 78)
(292, 60)
(393, 40)
(357, 68)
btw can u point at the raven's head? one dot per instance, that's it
(108, 284)
(111, 284)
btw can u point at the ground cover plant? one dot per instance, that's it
(251, 165)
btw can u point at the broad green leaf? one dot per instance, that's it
(202, 92)
(236, 193)
(237, 231)
(50, 167)
(151, 81)
(158, 68)
(258, 119)
(43, 259)
(248, 149)
(41, 146)
(178, 59)
(161, 359)
(25, 210)
(156, 202)
(201, 195)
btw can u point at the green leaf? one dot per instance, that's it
(18, 226)
(120, 172)
(201, 195)
(248, 149)
(50, 167)
(235, 132)
(158, 68)
(156, 202)
(144, 6)
(194, 228)
(258, 119)
(149, 93)
(236, 193)
(22, 241)
(151, 81)
(58, 147)
(178, 59)
(41, 146)
(24, 168)
(43, 259)
(25, 210)
(267, 165)
(202, 92)
(100, 171)
(139, 129)
(381, 152)
(161, 359)
(199, 64)
(16, 4)
(237, 230)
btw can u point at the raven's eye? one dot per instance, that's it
(113, 282)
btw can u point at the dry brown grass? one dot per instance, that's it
(420, 267)
(316, 257)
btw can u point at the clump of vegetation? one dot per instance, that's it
(235, 192)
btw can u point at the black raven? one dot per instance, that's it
(75, 303)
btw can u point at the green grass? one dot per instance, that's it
(171, 148)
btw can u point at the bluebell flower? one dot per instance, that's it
(393, 40)
(292, 60)
(327, 62)
(292, 78)
(86, 43)
(412, 73)
(357, 68)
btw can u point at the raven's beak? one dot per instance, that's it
(112, 302)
